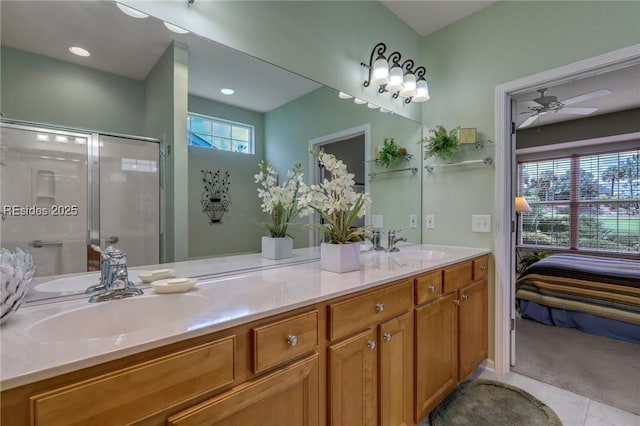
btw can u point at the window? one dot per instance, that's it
(215, 133)
(584, 202)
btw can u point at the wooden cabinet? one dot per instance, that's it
(289, 396)
(371, 373)
(451, 334)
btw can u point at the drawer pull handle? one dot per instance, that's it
(456, 302)
(379, 307)
(465, 297)
(292, 340)
(483, 268)
(371, 344)
(431, 288)
(386, 337)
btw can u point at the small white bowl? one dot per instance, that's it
(155, 275)
(174, 285)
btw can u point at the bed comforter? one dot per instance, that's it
(601, 286)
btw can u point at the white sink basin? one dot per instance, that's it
(118, 317)
(419, 254)
(75, 284)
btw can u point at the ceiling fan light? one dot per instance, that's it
(395, 78)
(422, 91)
(408, 86)
(380, 73)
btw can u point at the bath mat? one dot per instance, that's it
(491, 403)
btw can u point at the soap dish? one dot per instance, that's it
(155, 275)
(174, 285)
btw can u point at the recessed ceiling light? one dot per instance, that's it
(359, 101)
(175, 28)
(131, 11)
(79, 51)
(343, 95)
(227, 91)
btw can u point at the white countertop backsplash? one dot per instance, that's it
(233, 300)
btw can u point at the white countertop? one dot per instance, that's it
(28, 356)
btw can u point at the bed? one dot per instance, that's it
(598, 295)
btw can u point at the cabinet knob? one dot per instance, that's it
(456, 302)
(431, 288)
(379, 307)
(483, 268)
(465, 297)
(292, 340)
(386, 337)
(371, 344)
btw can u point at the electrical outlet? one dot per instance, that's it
(429, 221)
(413, 221)
(481, 223)
(376, 221)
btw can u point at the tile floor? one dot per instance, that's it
(573, 409)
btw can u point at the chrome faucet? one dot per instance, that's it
(117, 284)
(392, 240)
(375, 240)
(105, 256)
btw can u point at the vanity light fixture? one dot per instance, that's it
(79, 51)
(372, 106)
(343, 95)
(359, 101)
(175, 28)
(227, 91)
(391, 74)
(131, 11)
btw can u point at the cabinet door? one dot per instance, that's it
(352, 381)
(395, 372)
(472, 327)
(289, 396)
(436, 359)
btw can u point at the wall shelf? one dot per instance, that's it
(413, 170)
(486, 161)
(407, 157)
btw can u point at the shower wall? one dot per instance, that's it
(59, 187)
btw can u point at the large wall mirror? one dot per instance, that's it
(120, 89)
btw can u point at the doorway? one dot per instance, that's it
(504, 342)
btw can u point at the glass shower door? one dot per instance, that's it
(43, 181)
(130, 198)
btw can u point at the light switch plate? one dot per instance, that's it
(429, 221)
(481, 223)
(376, 221)
(413, 221)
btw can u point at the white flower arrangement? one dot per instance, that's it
(335, 200)
(280, 201)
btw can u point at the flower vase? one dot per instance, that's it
(340, 257)
(277, 248)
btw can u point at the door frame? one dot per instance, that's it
(504, 193)
(316, 144)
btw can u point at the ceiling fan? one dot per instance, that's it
(546, 104)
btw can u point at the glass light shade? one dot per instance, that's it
(359, 101)
(409, 86)
(380, 73)
(422, 91)
(343, 95)
(131, 11)
(175, 28)
(372, 106)
(395, 79)
(521, 204)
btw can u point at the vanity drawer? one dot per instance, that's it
(480, 268)
(284, 340)
(359, 312)
(428, 287)
(457, 276)
(127, 395)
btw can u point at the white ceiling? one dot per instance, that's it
(130, 47)
(426, 17)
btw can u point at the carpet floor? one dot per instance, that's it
(600, 368)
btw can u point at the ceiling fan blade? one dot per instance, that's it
(586, 96)
(528, 121)
(578, 110)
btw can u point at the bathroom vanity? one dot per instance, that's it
(289, 345)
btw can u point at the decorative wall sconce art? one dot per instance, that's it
(394, 75)
(215, 198)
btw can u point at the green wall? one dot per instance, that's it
(289, 129)
(239, 231)
(45, 90)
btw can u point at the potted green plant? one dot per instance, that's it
(442, 143)
(390, 152)
(529, 259)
